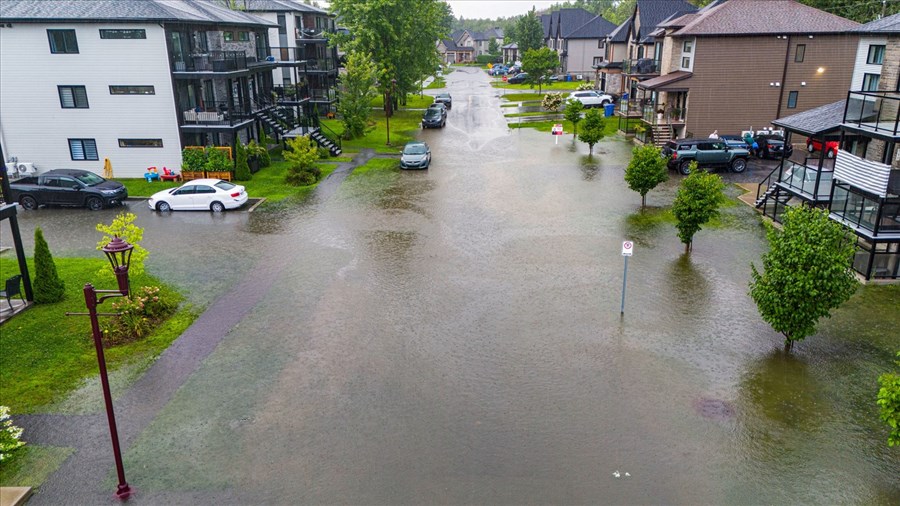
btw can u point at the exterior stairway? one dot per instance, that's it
(661, 135)
(322, 140)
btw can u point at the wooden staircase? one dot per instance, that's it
(661, 134)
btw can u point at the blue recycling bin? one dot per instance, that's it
(609, 110)
(568, 77)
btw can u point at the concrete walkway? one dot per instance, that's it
(82, 478)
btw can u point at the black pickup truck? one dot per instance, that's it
(67, 187)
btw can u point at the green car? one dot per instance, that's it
(707, 153)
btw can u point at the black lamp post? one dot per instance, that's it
(390, 109)
(118, 252)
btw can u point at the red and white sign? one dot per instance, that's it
(627, 248)
(557, 129)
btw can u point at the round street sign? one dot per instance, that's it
(627, 248)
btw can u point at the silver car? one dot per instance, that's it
(416, 155)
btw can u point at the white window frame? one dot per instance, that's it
(687, 52)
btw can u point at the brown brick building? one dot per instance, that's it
(743, 63)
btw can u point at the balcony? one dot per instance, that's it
(322, 95)
(215, 115)
(217, 62)
(640, 66)
(807, 181)
(292, 93)
(650, 114)
(871, 177)
(306, 35)
(874, 112)
(629, 108)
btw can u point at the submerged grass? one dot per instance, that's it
(31, 465)
(46, 355)
(404, 126)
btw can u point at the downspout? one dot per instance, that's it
(787, 54)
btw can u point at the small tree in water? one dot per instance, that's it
(646, 170)
(593, 129)
(572, 113)
(807, 273)
(697, 202)
(889, 402)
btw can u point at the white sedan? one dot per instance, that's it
(200, 194)
(590, 98)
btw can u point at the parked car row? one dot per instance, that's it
(435, 115)
(762, 145)
(67, 187)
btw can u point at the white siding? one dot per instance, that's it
(860, 67)
(35, 128)
(581, 53)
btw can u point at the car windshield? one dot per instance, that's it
(224, 185)
(432, 113)
(89, 178)
(444, 95)
(414, 149)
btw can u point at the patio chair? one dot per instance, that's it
(169, 175)
(12, 288)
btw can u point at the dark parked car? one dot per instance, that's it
(706, 152)
(67, 187)
(444, 98)
(518, 78)
(771, 146)
(437, 106)
(433, 118)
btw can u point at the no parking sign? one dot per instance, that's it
(627, 248)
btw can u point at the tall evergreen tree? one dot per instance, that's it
(529, 32)
(48, 287)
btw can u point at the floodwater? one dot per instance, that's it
(454, 336)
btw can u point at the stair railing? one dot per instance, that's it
(767, 182)
(332, 135)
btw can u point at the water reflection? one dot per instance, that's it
(589, 167)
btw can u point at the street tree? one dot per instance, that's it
(806, 273)
(399, 35)
(646, 170)
(572, 113)
(593, 131)
(539, 64)
(356, 93)
(529, 32)
(493, 47)
(697, 201)
(889, 403)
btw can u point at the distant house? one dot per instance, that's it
(608, 72)
(452, 53)
(510, 52)
(585, 47)
(479, 41)
(697, 80)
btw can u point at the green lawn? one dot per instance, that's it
(527, 114)
(413, 101)
(438, 82)
(557, 86)
(268, 183)
(526, 97)
(609, 127)
(404, 126)
(376, 165)
(47, 354)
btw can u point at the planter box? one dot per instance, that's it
(187, 175)
(226, 175)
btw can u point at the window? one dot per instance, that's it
(687, 55)
(601, 43)
(870, 82)
(62, 41)
(228, 36)
(137, 33)
(876, 55)
(73, 97)
(131, 90)
(597, 61)
(243, 36)
(140, 143)
(688, 46)
(792, 100)
(282, 25)
(83, 149)
(800, 54)
(685, 62)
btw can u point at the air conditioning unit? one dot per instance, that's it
(25, 169)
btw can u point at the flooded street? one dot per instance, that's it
(453, 336)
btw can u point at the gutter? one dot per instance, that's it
(787, 54)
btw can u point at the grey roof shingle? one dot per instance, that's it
(545, 24)
(620, 34)
(566, 21)
(814, 122)
(742, 17)
(890, 24)
(596, 28)
(81, 11)
(653, 12)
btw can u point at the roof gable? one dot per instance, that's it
(890, 24)
(596, 28)
(741, 17)
(651, 13)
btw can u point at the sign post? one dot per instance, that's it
(557, 131)
(627, 251)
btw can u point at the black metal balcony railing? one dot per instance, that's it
(322, 94)
(651, 114)
(321, 64)
(292, 93)
(214, 61)
(218, 114)
(311, 33)
(640, 66)
(807, 180)
(877, 111)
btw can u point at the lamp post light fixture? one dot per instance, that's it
(118, 252)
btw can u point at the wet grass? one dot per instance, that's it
(535, 113)
(438, 82)
(376, 165)
(31, 465)
(519, 97)
(557, 86)
(413, 101)
(609, 128)
(404, 127)
(46, 355)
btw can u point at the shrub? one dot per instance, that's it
(303, 177)
(302, 156)
(241, 168)
(217, 160)
(48, 287)
(138, 314)
(9, 435)
(552, 101)
(586, 86)
(193, 159)
(484, 59)
(259, 152)
(324, 154)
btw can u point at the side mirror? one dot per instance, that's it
(76, 187)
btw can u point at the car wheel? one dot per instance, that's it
(217, 207)
(739, 165)
(809, 147)
(163, 207)
(685, 168)
(94, 204)
(830, 153)
(28, 202)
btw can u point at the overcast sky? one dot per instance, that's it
(495, 8)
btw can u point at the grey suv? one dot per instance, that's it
(706, 152)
